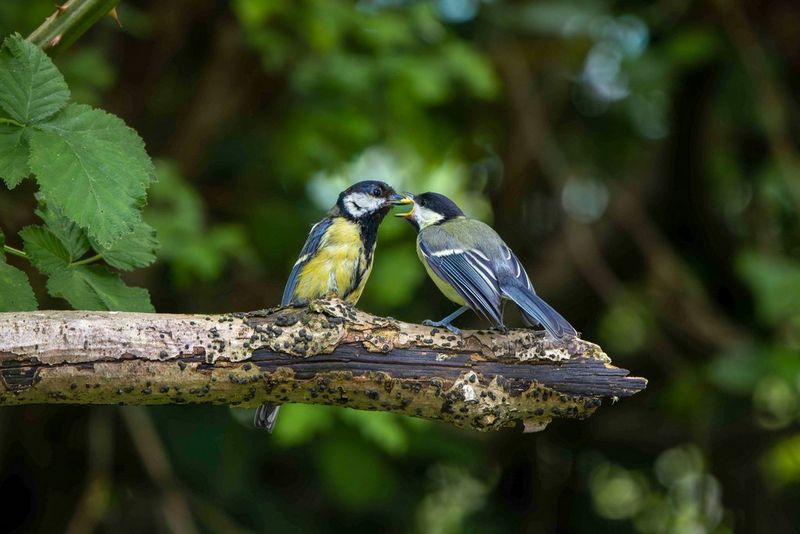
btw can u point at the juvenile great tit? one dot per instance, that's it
(473, 267)
(337, 257)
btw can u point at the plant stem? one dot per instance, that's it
(4, 120)
(70, 21)
(15, 251)
(93, 259)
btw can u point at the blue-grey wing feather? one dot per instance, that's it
(516, 285)
(309, 250)
(471, 276)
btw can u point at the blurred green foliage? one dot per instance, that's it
(640, 158)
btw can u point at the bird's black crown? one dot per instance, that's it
(440, 204)
(364, 201)
(373, 188)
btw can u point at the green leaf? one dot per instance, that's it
(15, 290)
(84, 287)
(13, 155)
(137, 249)
(95, 168)
(96, 288)
(31, 88)
(44, 249)
(70, 234)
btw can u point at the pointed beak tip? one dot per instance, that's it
(400, 200)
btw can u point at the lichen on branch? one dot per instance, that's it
(327, 353)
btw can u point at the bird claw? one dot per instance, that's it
(440, 324)
(500, 329)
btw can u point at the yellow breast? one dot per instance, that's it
(335, 268)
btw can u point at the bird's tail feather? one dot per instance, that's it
(537, 311)
(266, 416)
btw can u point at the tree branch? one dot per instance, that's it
(328, 353)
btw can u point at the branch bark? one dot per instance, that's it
(327, 353)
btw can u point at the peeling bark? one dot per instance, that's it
(328, 353)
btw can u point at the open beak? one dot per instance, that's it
(401, 200)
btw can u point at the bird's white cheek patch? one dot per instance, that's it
(359, 204)
(425, 217)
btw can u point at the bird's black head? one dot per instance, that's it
(367, 200)
(430, 208)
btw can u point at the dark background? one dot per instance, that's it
(640, 158)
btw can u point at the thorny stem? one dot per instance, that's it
(15, 251)
(70, 21)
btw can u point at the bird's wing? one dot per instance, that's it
(516, 285)
(309, 250)
(514, 267)
(468, 270)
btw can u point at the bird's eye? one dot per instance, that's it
(377, 191)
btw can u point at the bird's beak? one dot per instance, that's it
(400, 200)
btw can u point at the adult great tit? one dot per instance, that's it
(337, 257)
(474, 267)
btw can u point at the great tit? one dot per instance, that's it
(337, 257)
(473, 267)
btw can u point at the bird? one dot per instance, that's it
(336, 259)
(472, 265)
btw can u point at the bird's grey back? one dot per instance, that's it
(471, 234)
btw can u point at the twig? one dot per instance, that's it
(95, 500)
(156, 463)
(775, 113)
(672, 273)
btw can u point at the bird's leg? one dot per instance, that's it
(447, 320)
(501, 328)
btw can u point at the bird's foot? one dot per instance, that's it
(441, 324)
(500, 329)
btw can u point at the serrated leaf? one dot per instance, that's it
(44, 249)
(94, 168)
(96, 288)
(15, 290)
(137, 249)
(31, 87)
(84, 287)
(70, 234)
(13, 155)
